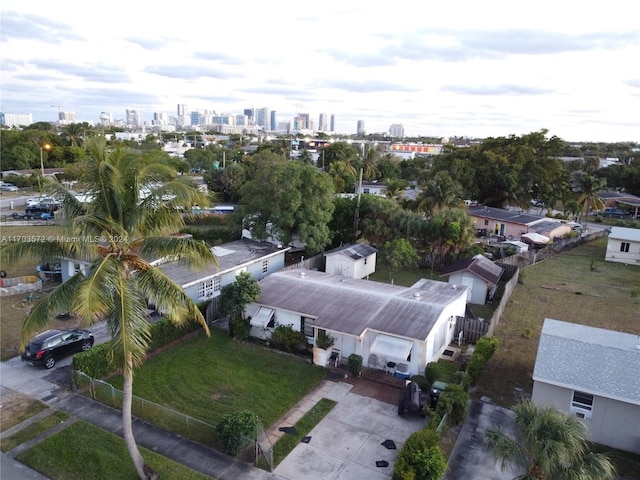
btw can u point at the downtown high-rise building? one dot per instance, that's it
(332, 123)
(273, 124)
(396, 130)
(360, 128)
(262, 117)
(134, 117)
(251, 115)
(323, 123)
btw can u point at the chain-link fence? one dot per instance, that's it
(264, 447)
(158, 415)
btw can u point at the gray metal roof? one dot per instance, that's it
(355, 251)
(231, 256)
(622, 233)
(479, 265)
(504, 215)
(593, 360)
(352, 305)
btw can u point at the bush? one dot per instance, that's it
(454, 401)
(240, 327)
(164, 332)
(486, 347)
(285, 338)
(474, 368)
(94, 362)
(236, 431)
(422, 382)
(324, 341)
(355, 364)
(420, 458)
(433, 372)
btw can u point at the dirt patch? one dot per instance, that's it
(16, 407)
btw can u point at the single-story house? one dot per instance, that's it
(258, 258)
(512, 224)
(594, 374)
(479, 274)
(409, 327)
(623, 246)
(353, 261)
(374, 188)
(623, 201)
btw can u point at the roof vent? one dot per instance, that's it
(454, 287)
(416, 294)
(302, 274)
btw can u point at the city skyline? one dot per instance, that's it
(456, 69)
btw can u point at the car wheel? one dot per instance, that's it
(86, 345)
(49, 362)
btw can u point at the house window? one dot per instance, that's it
(306, 326)
(205, 289)
(624, 247)
(365, 260)
(486, 222)
(365, 190)
(265, 266)
(582, 405)
(216, 284)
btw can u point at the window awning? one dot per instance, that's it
(262, 317)
(391, 347)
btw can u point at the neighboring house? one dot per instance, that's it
(520, 247)
(594, 374)
(622, 201)
(374, 188)
(258, 258)
(48, 172)
(353, 261)
(512, 224)
(410, 327)
(479, 274)
(623, 246)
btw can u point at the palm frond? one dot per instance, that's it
(194, 253)
(40, 249)
(95, 296)
(505, 449)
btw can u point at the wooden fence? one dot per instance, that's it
(472, 329)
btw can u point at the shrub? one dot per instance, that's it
(422, 382)
(420, 458)
(164, 332)
(355, 364)
(95, 361)
(433, 372)
(454, 401)
(486, 347)
(240, 327)
(284, 337)
(235, 431)
(324, 341)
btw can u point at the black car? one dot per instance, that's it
(46, 348)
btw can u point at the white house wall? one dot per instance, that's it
(477, 293)
(613, 423)
(365, 266)
(340, 265)
(613, 254)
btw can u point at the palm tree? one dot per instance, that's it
(369, 169)
(549, 445)
(589, 198)
(440, 193)
(119, 232)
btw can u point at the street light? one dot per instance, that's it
(46, 147)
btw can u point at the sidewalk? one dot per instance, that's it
(191, 454)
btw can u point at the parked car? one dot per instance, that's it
(8, 187)
(33, 201)
(42, 208)
(31, 216)
(45, 349)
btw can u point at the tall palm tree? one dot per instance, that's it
(369, 160)
(439, 193)
(119, 232)
(549, 445)
(589, 198)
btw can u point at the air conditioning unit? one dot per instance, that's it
(582, 413)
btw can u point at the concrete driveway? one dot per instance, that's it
(347, 443)
(470, 458)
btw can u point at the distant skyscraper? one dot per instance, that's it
(360, 129)
(251, 115)
(159, 118)
(273, 125)
(332, 123)
(396, 130)
(183, 110)
(17, 119)
(305, 118)
(134, 118)
(262, 117)
(195, 118)
(322, 122)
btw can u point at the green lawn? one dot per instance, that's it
(404, 277)
(32, 431)
(86, 452)
(208, 378)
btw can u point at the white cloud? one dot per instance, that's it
(454, 68)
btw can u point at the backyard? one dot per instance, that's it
(575, 286)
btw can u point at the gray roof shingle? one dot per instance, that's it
(355, 251)
(351, 305)
(594, 360)
(479, 265)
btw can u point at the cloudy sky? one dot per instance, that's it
(468, 68)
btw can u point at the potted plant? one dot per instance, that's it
(322, 349)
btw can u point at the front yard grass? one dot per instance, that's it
(576, 286)
(16, 408)
(404, 277)
(209, 377)
(32, 431)
(85, 452)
